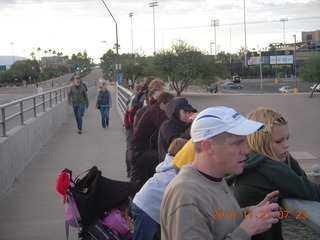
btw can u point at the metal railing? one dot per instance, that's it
(123, 95)
(29, 107)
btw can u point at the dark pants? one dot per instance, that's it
(78, 113)
(129, 134)
(143, 165)
(104, 116)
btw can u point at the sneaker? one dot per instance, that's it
(79, 131)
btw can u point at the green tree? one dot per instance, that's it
(22, 70)
(182, 64)
(310, 71)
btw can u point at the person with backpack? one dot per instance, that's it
(143, 146)
(104, 103)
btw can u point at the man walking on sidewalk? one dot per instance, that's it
(78, 99)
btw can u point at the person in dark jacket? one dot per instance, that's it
(104, 104)
(270, 167)
(78, 99)
(143, 146)
(177, 125)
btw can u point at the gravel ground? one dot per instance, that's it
(295, 229)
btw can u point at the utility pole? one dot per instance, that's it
(118, 67)
(154, 4)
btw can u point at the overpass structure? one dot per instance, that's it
(46, 145)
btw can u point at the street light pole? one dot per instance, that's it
(284, 29)
(245, 34)
(130, 15)
(117, 44)
(154, 4)
(295, 65)
(215, 23)
(261, 84)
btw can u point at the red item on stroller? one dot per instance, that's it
(93, 196)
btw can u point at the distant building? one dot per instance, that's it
(313, 36)
(9, 60)
(54, 60)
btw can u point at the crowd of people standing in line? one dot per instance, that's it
(197, 165)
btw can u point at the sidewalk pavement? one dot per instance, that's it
(32, 209)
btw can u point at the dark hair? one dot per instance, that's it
(147, 82)
(164, 98)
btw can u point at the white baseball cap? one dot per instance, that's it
(215, 120)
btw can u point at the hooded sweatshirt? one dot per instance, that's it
(150, 195)
(172, 128)
(262, 175)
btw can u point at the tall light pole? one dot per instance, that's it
(154, 4)
(211, 47)
(215, 23)
(117, 44)
(130, 15)
(260, 60)
(295, 65)
(284, 29)
(245, 34)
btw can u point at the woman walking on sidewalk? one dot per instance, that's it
(104, 104)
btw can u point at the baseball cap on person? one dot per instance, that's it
(215, 120)
(186, 105)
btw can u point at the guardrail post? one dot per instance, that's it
(4, 131)
(21, 113)
(34, 107)
(43, 103)
(56, 96)
(50, 99)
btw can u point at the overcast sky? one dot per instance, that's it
(72, 26)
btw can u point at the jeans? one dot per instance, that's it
(78, 113)
(104, 116)
(145, 228)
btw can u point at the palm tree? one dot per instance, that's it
(39, 49)
(32, 55)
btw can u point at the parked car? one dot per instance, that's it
(236, 79)
(286, 89)
(231, 85)
(317, 89)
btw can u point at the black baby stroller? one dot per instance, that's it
(89, 198)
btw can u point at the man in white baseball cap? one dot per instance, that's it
(198, 203)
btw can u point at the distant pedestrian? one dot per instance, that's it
(130, 84)
(78, 99)
(104, 103)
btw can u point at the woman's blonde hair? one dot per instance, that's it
(260, 142)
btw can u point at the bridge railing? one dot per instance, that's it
(17, 112)
(123, 95)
